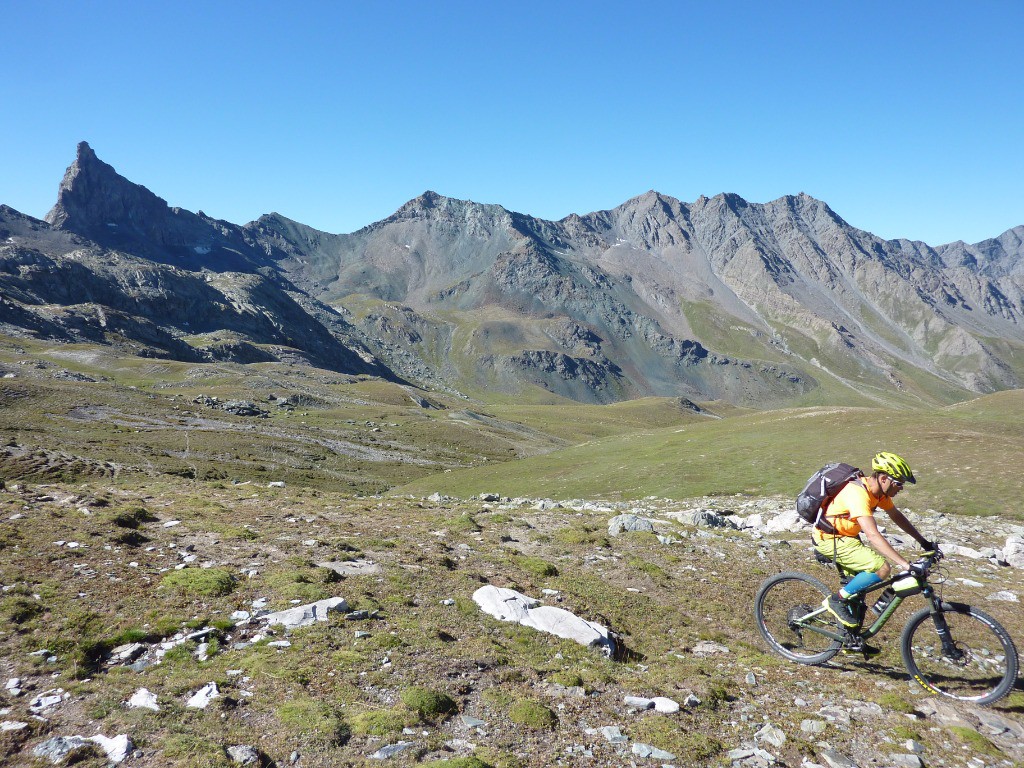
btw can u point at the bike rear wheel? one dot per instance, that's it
(782, 609)
(978, 663)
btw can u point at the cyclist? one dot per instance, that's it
(852, 513)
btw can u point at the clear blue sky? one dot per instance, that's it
(906, 117)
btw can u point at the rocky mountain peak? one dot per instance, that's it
(96, 202)
(93, 198)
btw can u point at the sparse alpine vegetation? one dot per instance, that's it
(410, 670)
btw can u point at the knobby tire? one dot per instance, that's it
(987, 668)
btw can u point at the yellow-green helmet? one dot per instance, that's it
(894, 466)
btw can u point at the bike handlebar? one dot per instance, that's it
(927, 561)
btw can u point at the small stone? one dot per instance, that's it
(117, 749)
(813, 726)
(837, 759)
(646, 750)
(638, 703)
(613, 735)
(244, 754)
(56, 748)
(707, 648)
(735, 755)
(386, 753)
(1003, 595)
(906, 761)
(202, 698)
(629, 524)
(771, 735)
(751, 680)
(665, 705)
(143, 699)
(46, 700)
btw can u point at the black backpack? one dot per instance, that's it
(821, 488)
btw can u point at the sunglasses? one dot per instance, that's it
(895, 484)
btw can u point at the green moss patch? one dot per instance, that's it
(536, 566)
(428, 703)
(532, 714)
(202, 582)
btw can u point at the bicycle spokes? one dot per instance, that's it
(792, 621)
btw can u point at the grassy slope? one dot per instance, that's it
(336, 692)
(368, 436)
(966, 457)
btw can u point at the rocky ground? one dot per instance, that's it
(143, 625)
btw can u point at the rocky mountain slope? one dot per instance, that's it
(680, 299)
(756, 304)
(159, 282)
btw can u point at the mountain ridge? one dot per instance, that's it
(721, 298)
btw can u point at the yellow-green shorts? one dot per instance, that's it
(850, 552)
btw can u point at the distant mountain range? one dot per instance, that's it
(719, 299)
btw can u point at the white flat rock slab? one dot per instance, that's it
(352, 567)
(46, 700)
(509, 605)
(304, 615)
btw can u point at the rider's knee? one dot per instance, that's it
(884, 571)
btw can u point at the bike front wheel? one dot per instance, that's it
(977, 662)
(788, 611)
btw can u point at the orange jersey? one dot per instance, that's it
(853, 502)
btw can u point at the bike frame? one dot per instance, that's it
(927, 591)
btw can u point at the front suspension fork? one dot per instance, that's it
(949, 648)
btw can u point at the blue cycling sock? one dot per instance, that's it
(860, 582)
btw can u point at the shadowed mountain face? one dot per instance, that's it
(757, 304)
(114, 264)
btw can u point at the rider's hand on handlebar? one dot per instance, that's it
(918, 570)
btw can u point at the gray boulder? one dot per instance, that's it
(57, 748)
(629, 523)
(1013, 552)
(243, 754)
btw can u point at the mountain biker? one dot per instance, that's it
(852, 513)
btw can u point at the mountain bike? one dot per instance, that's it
(949, 648)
